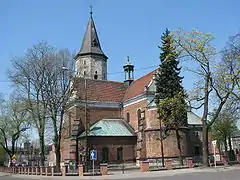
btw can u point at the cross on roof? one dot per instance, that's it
(91, 9)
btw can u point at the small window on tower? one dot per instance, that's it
(84, 62)
(84, 73)
(95, 75)
(94, 42)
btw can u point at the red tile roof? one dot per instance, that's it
(111, 91)
(100, 90)
(137, 87)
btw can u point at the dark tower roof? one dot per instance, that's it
(90, 43)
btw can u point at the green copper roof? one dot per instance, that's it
(110, 127)
(152, 104)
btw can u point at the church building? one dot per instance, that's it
(118, 119)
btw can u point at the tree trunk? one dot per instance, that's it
(231, 156)
(179, 147)
(225, 146)
(204, 118)
(12, 151)
(58, 137)
(42, 150)
(205, 146)
(226, 149)
(161, 141)
(229, 143)
(58, 157)
(77, 153)
(10, 160)
(13, 146)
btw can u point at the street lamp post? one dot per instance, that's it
(86, 123)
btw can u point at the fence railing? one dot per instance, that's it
(51, 170)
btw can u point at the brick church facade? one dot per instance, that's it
(118, 119)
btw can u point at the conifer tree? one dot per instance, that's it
(168, 81)
(170, 95)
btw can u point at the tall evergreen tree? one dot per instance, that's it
(168, 81)
(172, 109)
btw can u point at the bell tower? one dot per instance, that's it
(91, 62)
(128, 72)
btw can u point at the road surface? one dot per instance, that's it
(227, 174)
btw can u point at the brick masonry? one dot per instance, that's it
(127, 144)
(91, 64)
(151, 134)
(77, 122)
(145, 145)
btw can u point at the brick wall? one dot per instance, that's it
(65, 149)
(151, 133)
(90, 64)
(112, 143)
(132, 110)
(169, 144)
(78, 123)
(150, 147)
(151, 119)
(96, 114)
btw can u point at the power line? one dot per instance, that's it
(139, 69)
(119, 72)
(113, 73)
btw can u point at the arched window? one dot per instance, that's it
(105, 153)
(139, 117)
(95, 75)
(84, 73)
(120, 154)
(128, 117)
(84, 62)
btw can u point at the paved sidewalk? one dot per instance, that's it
(131, 175)
(4, 174)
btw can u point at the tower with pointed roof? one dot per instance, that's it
(91, 62)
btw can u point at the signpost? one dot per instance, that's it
(214, 143)
(93, 157)
(14, 159)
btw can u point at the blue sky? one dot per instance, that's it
(125, 28)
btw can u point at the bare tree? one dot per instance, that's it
(231, 54)
(46, 87)
(197, 47)
(13, 122)
(57, 93)
(27, 76)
